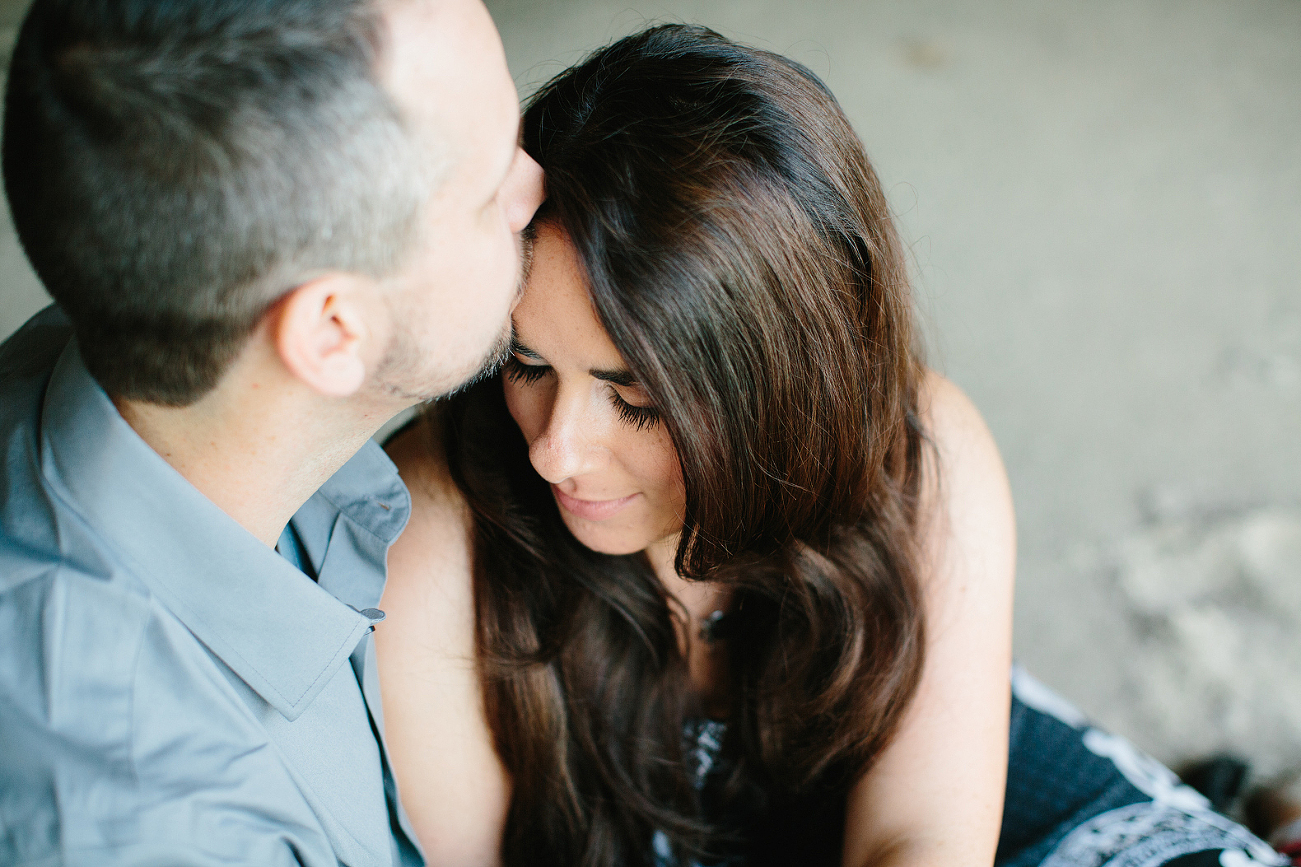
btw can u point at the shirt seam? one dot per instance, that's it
(136, 568)
(135, 681)
(395, 485)
(347, 513)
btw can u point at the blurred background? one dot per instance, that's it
(1103, 206)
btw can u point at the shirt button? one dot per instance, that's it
(374, 615)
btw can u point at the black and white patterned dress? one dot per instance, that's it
(1080, 797)
(1076, 797)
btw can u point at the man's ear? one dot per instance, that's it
(326, 332)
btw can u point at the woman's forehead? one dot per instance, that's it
(556, 319)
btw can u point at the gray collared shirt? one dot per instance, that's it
(171, 690)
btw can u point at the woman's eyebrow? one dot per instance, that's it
(520, 349)
(618, 377)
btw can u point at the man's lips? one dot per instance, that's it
(590, 510)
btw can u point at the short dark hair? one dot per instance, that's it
(174, 168)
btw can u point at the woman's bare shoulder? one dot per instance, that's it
(965, 461)
(418, 453)
(935, 794)
(966, 487)
(948, 415)
(451, 782)
(433, 552)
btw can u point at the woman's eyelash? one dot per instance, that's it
(518, 371)
(640, 417)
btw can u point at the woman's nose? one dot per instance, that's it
(569, 445)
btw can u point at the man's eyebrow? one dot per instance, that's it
(520, 349)
(618, 377)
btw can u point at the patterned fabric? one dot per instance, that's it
(1080, 797)
(1076, 797)
(702, 740)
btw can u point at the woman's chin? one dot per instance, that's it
(604, 540)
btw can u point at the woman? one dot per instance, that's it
(716, 572)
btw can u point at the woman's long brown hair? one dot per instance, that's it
(741, 255)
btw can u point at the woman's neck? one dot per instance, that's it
(699, 598)
(661, 555)
(706, 658)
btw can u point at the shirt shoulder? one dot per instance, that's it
(127, 742)
(28, 544)
(32, 350)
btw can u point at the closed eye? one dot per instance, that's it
(526, 374)
(638, 417)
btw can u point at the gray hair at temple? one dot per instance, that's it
(174, 168)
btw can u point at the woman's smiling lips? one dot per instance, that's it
(590, 510)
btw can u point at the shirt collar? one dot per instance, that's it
(284, 635)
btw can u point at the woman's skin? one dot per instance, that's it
(935, 794)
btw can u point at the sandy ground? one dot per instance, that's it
(1104, 206)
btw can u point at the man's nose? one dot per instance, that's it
(523, 190)
(569, 445)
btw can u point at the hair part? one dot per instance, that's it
(174, 168)
(741, 255)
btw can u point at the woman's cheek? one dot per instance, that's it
(517, 404)
(658, 465)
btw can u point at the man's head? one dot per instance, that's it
(180, 171)
(447, 73)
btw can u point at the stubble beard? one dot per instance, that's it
(401, 369)
(401, 363)
(489, 367)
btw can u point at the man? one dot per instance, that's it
(268, 227)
